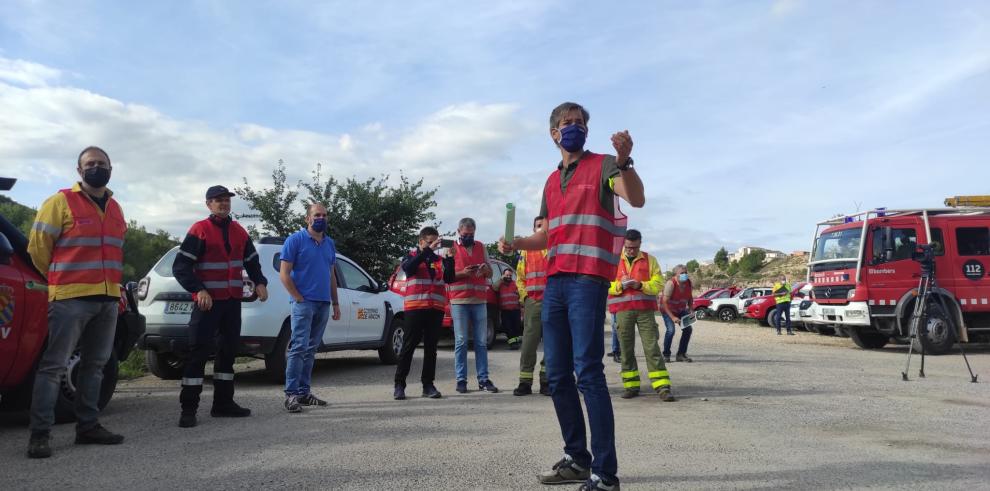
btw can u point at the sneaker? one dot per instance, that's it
(629, 393)
(666, 358)
(292, 404)
(462, 386)
(617, 357)
(39, 446)
(545, 389)
(524, 389)
(564, 472)
(98, 435)
(229, 410)
(399, 393)
(430, 392)
(311, 400)
(488, 386)
(790, 333)
(595, 483)
(666, 395)
(684, 358)
(187, 420)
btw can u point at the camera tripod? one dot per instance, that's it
(919, 318)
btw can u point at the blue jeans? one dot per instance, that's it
(615, 335)
(574, 343)
(309, 321)
(668, 337)
(783, 312)
(474, 315)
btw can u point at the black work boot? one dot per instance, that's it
(544, 384)
(39, 446)
(223, 401)
(399, 393)
(98, 435)
(524, 389)
(189, 400)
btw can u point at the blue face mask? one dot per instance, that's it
(319, 225)
(572, 137)
(682, 277)
(467, 240)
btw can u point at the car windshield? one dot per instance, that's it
(711, 294)
(840, 244)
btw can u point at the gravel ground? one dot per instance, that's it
(755, 411)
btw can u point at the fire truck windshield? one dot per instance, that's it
(840, 244)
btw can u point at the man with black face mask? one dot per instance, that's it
(77, 240)
(209, 265)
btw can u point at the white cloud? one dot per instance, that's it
(27, 73)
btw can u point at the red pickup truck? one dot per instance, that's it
(763, 309)
(24, 328)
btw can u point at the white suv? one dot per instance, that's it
(371, 316)
(727, 309)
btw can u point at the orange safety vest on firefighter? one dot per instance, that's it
(220, 271)
(472, 287)
(532, 274)
(643, 268)
(87, 258)
(423, 291)
(508, 295)
(584, 237)
(682, 297)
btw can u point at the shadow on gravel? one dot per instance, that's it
(887, 474)
(738, 392)
(738, 359)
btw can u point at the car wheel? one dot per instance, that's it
(868, 340)
(937, 338)
(700, 314)
(166, 366)
(68, 383)
(726, 314)
(770, 319)
(275, 361)
(389, 353)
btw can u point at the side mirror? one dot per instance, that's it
(382, 287)
(888, 243)
(6, 250)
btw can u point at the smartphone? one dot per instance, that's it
(447, 243)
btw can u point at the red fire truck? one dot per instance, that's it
(865, 278)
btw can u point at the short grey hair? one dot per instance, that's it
(561, 110)
(309, 208)
(466, 222)
(679, 268)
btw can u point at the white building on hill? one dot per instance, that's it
(770, 254)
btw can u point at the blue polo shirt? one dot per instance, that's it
(311, 264)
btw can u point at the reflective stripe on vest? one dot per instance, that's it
(535, 270)
(584, 238)
(221, 272)
(422, 292)
(89, 252)
(632, 299)
(475, 287)
(508, 296)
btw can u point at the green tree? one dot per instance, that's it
(732, 269)
(511, 260)
(752, 261)
(272, 206)
(17, 214)
(692, 266)
(143, 249)
(721, 258)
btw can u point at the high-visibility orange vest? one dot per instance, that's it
(584, 238)
(92, 251)
(472, 286)
(508, 295)
(536, 274)
(631, 299)
(221, 272)
(423, 292)
(681, 299)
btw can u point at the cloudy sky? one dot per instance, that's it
(751, 120)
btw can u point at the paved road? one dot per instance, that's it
(756, 411)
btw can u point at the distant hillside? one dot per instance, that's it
(142, 249)
(711, 276)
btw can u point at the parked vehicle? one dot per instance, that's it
(397, 285)
(24, 328)
(865, 278)
(764, 308)
(702, 303)
(727, 309)
(371, 316)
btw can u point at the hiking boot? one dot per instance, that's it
(229, 410)
(564, 472)
(544, 389)
(666, 358)
(430, 392)
(399, 393)
(666, 395)
(187, 420)
(98, 435)
(462, 386)
(488, 386)
(595, 483)
(629, 394)
(524, 389)
(39, 446)
(684, 358)
(311, 400)
(292, 404)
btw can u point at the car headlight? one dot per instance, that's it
(852, 293)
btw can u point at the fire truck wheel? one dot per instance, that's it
(937, 339)
(166, 366)
(868, 340)
(64, 407)
(726, 314)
